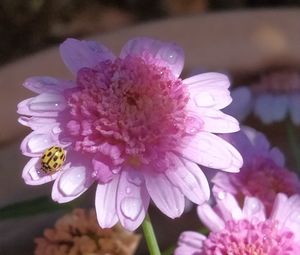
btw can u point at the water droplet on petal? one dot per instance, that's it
(39, 142)
(94, 173)
(56, 130)
(131, 207)
(254, 206)
(128, 190)
(169, 55)
(135, 179)
(221, 195)
(115, 170)
(72, 181)
(47, 103)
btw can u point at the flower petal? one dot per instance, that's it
(37, 142)
(71, 184)
(254, 209)
(167, 197)
(190, 243)
(33, 175)
(132, 199)
(209, 90)
(279, 107)
(169, 55)
(241, 105)
(43, 105)
(47, 84)
(228, 205)
(295, 108)
(217, 122)
(209, 217)
(211, 151)
(105, 203)
(190, 179)
(41, 124)
(77, 54)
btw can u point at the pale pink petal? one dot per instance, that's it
(211, 151)
(71, 184)
(286, 211)
(132, 199)
(254, 209)
(36, 143)
(209, 217)
(190, 243)
(102, 170)
(190, 179)
(168, 54)
(294, 105)
(77, 54)
(228, 206)
(242, 103)
(167, 197)
(215, 121)
(47, 84)
(223, 182)
(106, 202)
(43, 105)
(41, 124)
(209, 90)
(33, 175)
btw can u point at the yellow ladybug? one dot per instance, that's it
(52, 159)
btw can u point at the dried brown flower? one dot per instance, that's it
(78, 233)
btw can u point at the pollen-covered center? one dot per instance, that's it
(246, 238)
(131, 103)
(285, 81)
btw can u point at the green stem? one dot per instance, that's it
(293, 142)
(150, 236)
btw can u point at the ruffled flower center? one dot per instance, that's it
(247, 238)
(283, 82)
(264, 179)
(135, 105)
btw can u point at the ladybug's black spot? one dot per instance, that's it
(55, 165)
(49, 154)
(55, 158)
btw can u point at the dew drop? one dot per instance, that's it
(170, 55)
(254, 206)
(135, 179)
(94, 173)
(128, 190)
(72, 182)
(115, 171)
(131, 207)
(221, 195)
(46, 106)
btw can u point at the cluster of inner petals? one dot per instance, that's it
(264, 179)
(246, 238)
(285, 81)
(134, 105)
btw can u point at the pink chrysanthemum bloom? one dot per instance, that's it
(272, 98)
(262, 175)
(131, 125)
(247, 230)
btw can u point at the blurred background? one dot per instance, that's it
(31, 25)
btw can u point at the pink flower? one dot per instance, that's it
(272, 98)
(131, 125)
(263, 174)
(247, 230)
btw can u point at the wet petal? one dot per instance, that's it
(212, 151)
(190, 179)
(43, 105)
(189, 243)
(106, 200)
(254, 209)
(166, 196)
(77, 54)
(168, 54)
(36, 143)
(33, 175)
(71, 184)
(47, 84)
(132, 199)
(209, 90)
